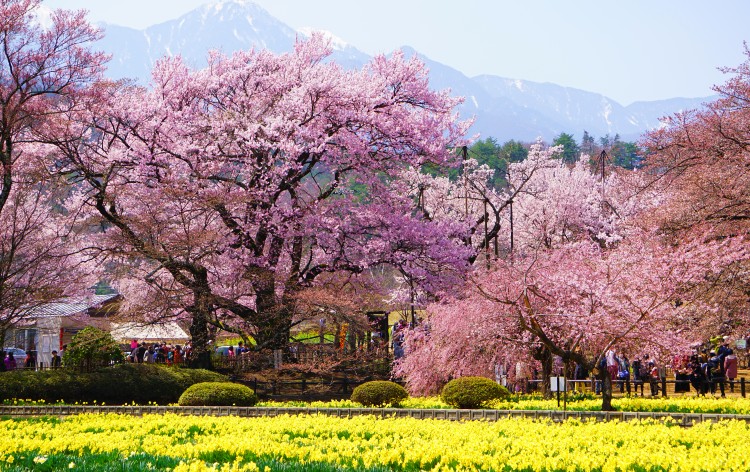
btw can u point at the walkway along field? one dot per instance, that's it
(683, 419)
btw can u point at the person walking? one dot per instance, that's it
(653, 378)
(730, 368)
(30, 361)
(613, 365)
(715, 372)
(55, 361)
(623, 373)
(10, 362)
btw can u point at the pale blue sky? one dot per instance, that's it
(628, 50)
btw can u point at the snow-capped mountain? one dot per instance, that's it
(503, 108)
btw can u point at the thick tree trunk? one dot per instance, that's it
(273, 331)
(201, 352)
(606, 390)
(274, 314)
(544, 356)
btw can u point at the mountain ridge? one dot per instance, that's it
(504, 108)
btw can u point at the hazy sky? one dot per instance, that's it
(628, 50)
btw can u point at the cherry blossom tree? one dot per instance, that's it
(554, 204)
(473, 201)
(699, 160)
(40, 260)
(42, 69)
(232, 188)
(651, 260)
(577, 301)
(588, 272)
(39, 66)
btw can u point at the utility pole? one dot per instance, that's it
(486, 235)
(420, 200)
(466, 182)
(603, 157)
(510, 208)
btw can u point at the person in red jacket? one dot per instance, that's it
(730, 368)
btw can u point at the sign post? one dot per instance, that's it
(557, 384)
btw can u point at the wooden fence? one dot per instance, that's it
(305, 354)
(339, 388)
(661, 387)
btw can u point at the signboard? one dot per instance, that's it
(557, 384)
(741, 344)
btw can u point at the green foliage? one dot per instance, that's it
(103, 288)
(626, 155)
(218, 394)
(488, 152)
(588, 144)
(121, 384)
(92, 347)
(472, 392)
(513, 151)
(379, 393)
(571, 151)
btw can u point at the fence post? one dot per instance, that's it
(664, 387)
(255, 385)
(742, 386)
(304, 384)
(277, 359)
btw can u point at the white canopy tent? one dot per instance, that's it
(168, 332)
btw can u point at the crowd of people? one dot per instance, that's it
(707, 370)
(162, 353)
(235, 351)
(9, 362)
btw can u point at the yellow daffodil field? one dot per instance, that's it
(320, 443)
(685, 404)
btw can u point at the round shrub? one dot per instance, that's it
(218, 394)
(379, 393)
(472, 392)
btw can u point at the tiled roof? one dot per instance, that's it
(71, 306)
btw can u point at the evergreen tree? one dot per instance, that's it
(489, 152)
(571, 151)
(514, 151)
(588, 145)
(628, 156)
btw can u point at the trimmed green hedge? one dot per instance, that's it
(472, 392)
(120, 384)
(218, 394)
(379, 393)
